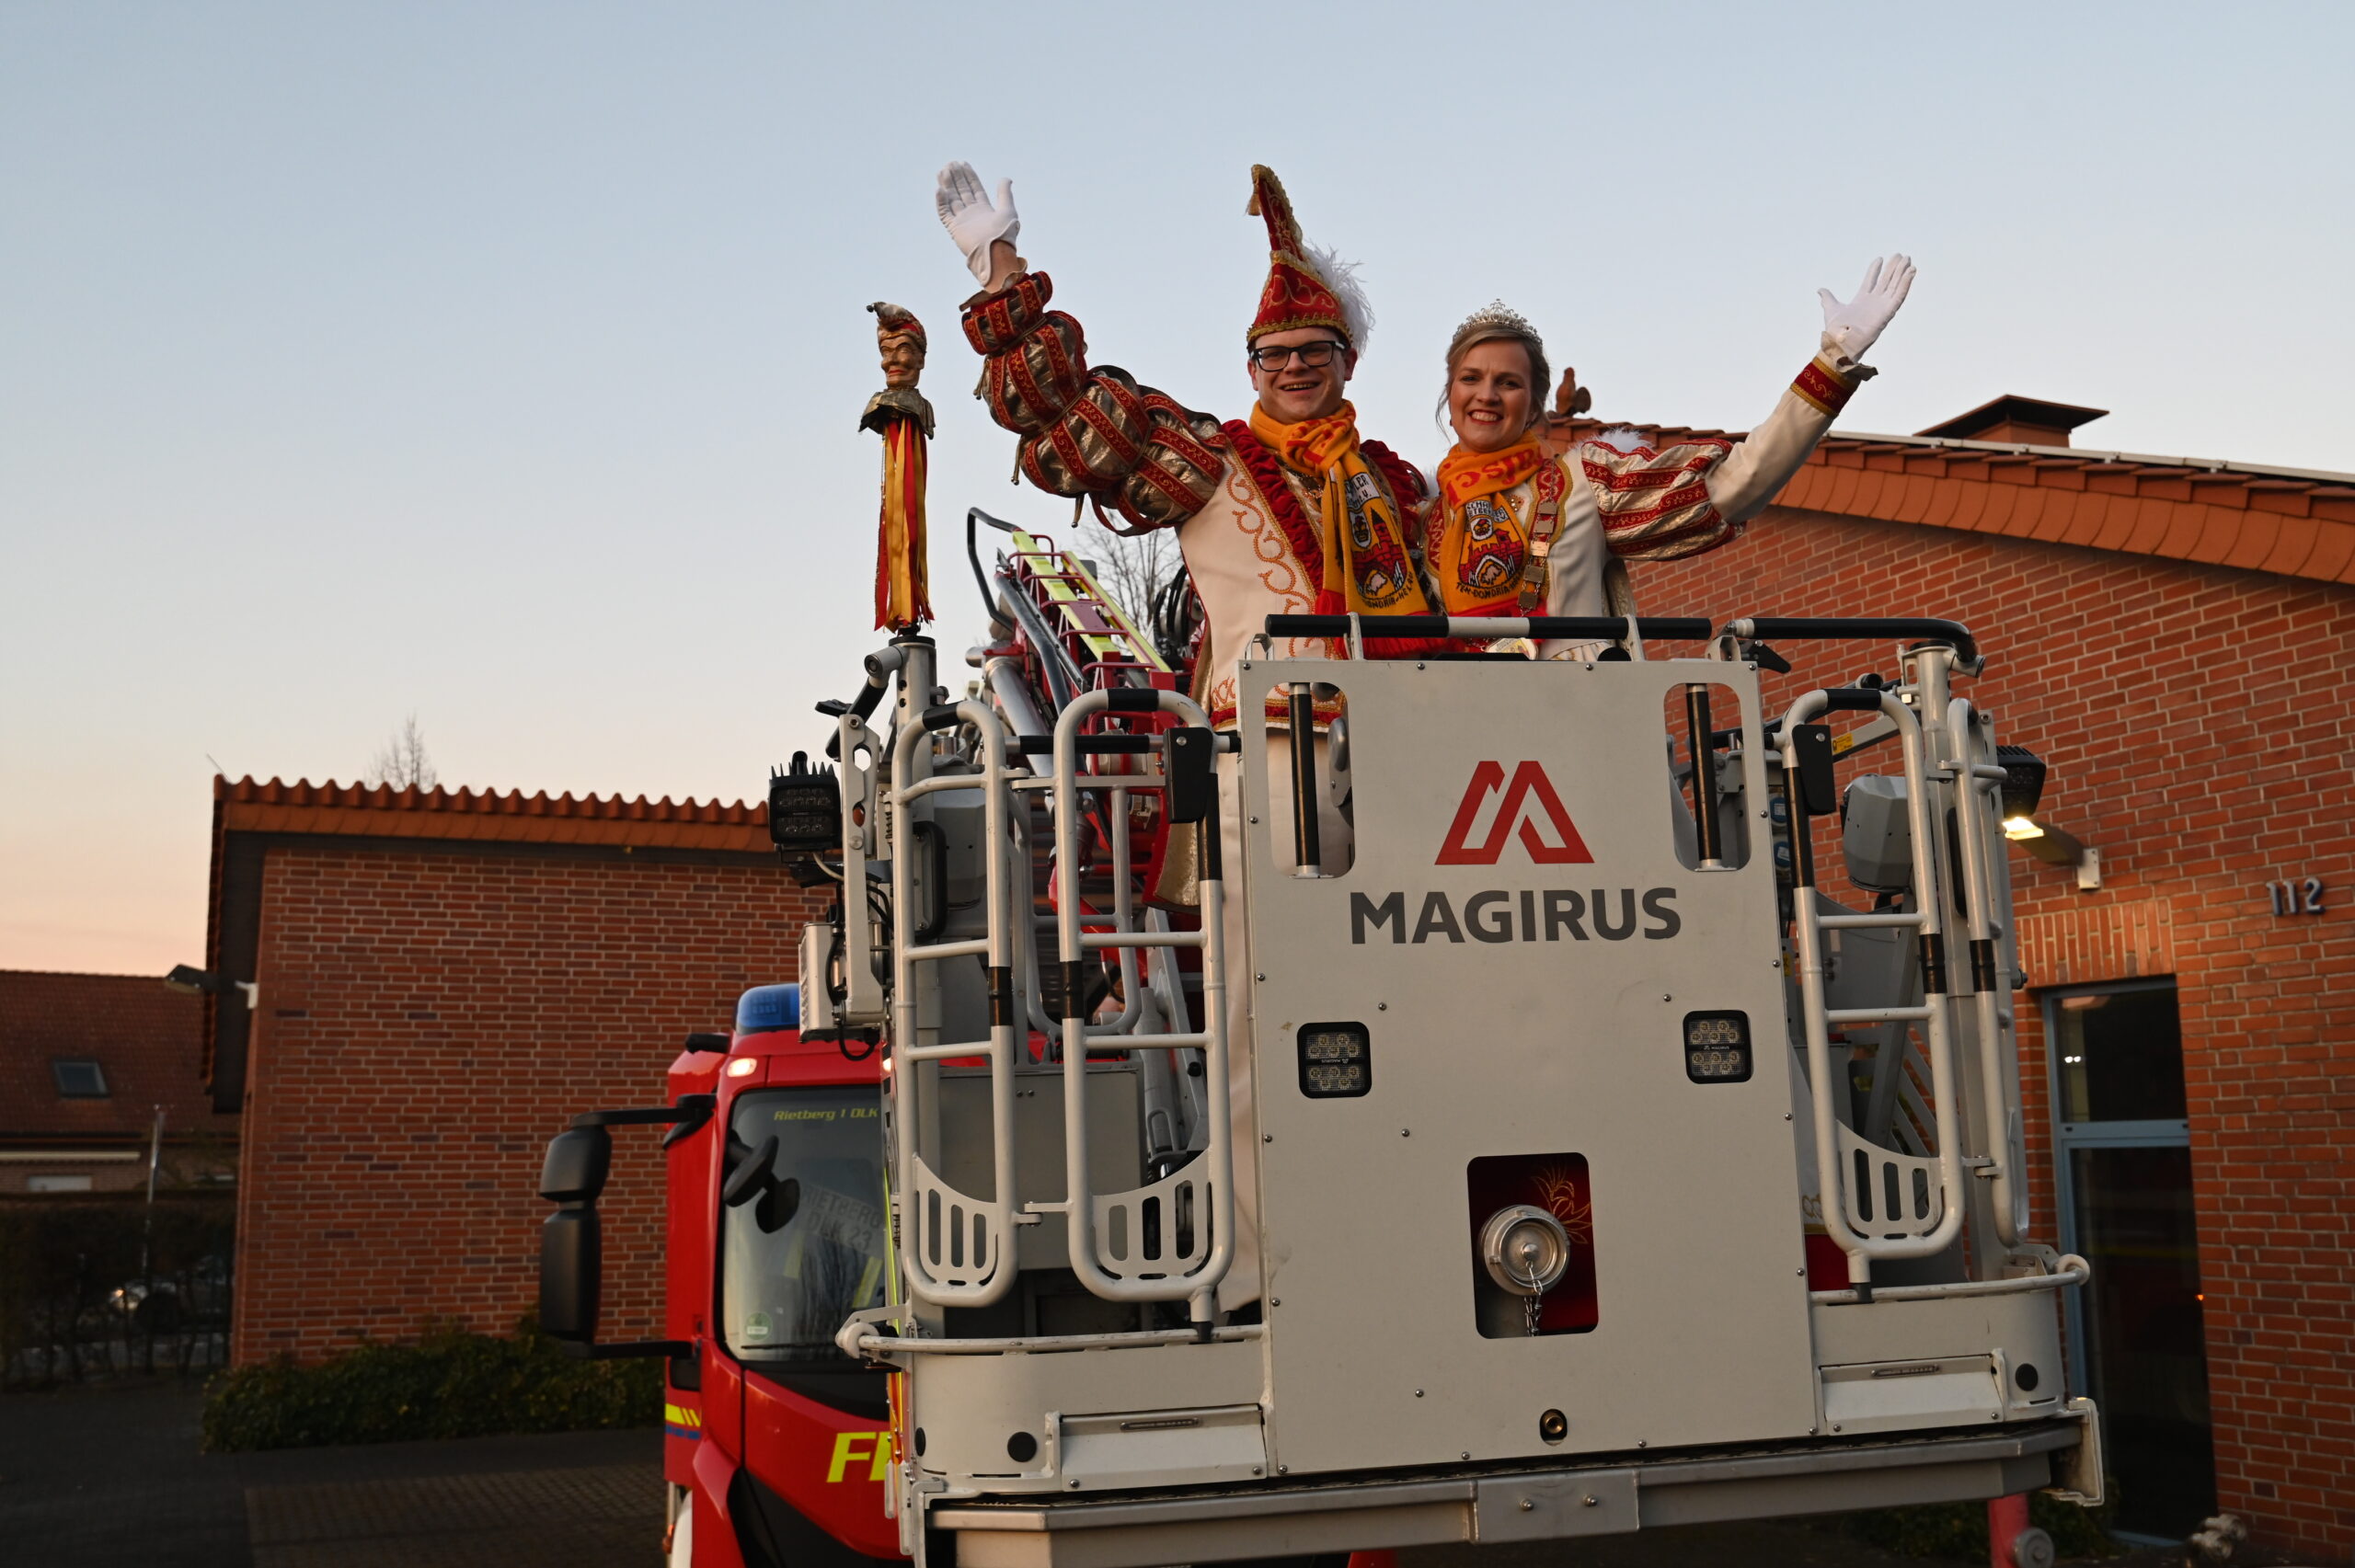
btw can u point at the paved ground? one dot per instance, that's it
(109, 1476)
(100, 1478)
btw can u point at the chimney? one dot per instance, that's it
(2029, 420)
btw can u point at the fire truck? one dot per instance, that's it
(1479, 1125)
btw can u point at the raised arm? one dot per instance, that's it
(1662, 505)
(1085, 432)
(1759, 466)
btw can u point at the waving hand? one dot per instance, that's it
(974, 221)
(1855, 324)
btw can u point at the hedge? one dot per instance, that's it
(452, 1383)
(1960, 1529)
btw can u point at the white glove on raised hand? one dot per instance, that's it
(972, 219)
(1853, 328)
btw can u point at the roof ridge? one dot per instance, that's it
(2297, 523)
(469, 801)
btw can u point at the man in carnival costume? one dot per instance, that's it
(1520, 527)
(1286, 511)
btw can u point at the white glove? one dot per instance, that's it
(972, 219)
(1853, 328)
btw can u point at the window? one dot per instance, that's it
(787, 1281)
(57, 1184)
(83, 1079)
(2120, 1057)
(2124, 1164)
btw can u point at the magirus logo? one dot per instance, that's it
(1529, 796)
(1527, 808)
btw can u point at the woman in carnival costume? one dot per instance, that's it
(1515, 531)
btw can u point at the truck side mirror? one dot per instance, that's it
(756, 1177)
(577, 1162)
(571, 1273)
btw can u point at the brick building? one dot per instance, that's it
(87, 1064)
(444, 979)
(2167, 635)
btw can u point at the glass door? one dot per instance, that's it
(2124, 1162)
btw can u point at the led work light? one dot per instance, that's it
(1716, 1047)
(1336, 1060)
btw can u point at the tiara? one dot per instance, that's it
(1495, 319)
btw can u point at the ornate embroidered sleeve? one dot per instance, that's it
(1756, 470)
(1087, 432)
(1654, 505)
(1660, 505)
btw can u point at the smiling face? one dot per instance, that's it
(1295, 390)
(1492, 397)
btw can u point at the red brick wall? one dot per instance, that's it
(428, 1020)
(2201, 735)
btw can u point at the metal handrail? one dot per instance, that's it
(916, 1180)
(2071, 1269)
(1217, 1159)
(1831, 1181)
(1972, 784)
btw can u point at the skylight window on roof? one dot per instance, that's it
(82, 1080)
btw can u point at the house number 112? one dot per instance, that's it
(2297, 898)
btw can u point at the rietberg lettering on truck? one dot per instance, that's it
(1530, 914)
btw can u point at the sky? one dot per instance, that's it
(500, 364)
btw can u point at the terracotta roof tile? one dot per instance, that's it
(2333, 559)
(512, 816)
(2087, 514)
(2294, 545)
(2255, 541)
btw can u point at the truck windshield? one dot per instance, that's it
(783, 1294)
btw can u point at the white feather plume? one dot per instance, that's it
(1341, 277)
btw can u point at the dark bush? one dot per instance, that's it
(1960, 1529)
(452, 1383)
(76, 1303)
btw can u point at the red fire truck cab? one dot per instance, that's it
(775, 1444)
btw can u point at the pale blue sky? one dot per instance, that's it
(501, 362)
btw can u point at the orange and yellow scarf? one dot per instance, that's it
(1366, 571)
(1478, 548)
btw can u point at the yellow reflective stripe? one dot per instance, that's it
(679, 1415)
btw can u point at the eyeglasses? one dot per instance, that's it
(1315, 355)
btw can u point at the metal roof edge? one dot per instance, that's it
(2022, 449)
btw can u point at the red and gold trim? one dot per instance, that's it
(994, 323)
(1295, 296)
(1824, 387)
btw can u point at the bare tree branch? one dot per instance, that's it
(1133, 567)
(403, 761)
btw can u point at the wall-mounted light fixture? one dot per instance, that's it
(2053, 847)
(189, 977)
(2023, 790)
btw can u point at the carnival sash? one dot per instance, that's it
(1366, 568)
(1480, 550)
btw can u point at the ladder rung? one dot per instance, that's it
(1875, 1014)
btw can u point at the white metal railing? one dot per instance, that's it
(1174, 1239)
(1857, 1179)
(1975, 776)
(957, 1250)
